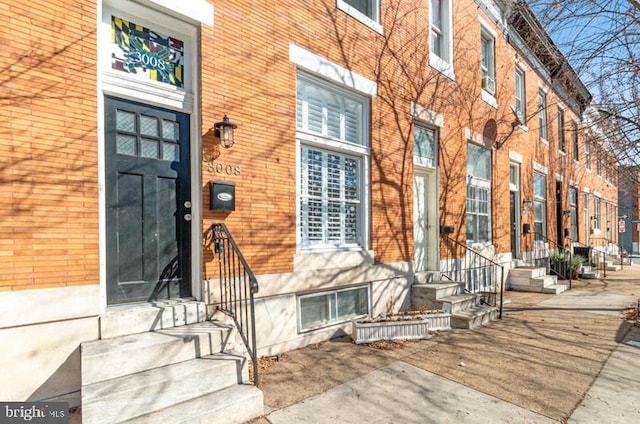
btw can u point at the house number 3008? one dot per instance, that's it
(221, 168)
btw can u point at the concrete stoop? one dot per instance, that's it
(182, 374)
(534, 279)
(465, 308)
(588, 273)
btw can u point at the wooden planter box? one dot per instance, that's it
(367, 331)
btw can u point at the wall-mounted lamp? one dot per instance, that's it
(224, 131)
(567, 212)
(526, 202)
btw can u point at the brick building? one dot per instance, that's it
(365, 131)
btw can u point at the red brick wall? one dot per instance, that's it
(48, 164)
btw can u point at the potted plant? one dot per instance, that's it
(575, 264)
(558, 263)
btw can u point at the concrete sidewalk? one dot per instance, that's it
(565, 358)
(403, 394)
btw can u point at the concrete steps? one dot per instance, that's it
(474, 317)
(534, 279)
(465, 309)
(185, 373)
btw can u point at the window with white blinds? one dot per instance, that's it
(322, 111)
(329, 122)
(329, 198)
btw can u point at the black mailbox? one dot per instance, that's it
(526, 228)
(223, 196)
(446, 229)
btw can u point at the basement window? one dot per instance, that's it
(322, 309)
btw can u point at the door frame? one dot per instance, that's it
(515, 218)
(175, 21)
(432, 250)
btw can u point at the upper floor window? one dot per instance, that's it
(487, 62)
(521, 101)
(587, 153)
(574, 138)
(440, 37)
(561, 145)
(366, 11)
(598, 161)
(542, 115)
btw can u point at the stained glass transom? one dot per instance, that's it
(142, 51)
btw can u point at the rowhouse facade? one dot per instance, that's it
(364, 132)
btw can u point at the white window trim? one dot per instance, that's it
(374, 24)
(336, 73)
(329, 323)
(522, 113)
(427, 115)
(436, 62)
(363, 152)
(487, 33)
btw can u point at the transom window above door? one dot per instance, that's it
(147, 54)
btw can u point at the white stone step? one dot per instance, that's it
(527, 272)
(426, 277)
(458, 302)
(474, 317)
(555, 289)
(111, 358)
(425, 295)
(145, 392)
(124, 320)
(233, 405)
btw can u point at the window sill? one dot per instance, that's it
(311, 260)
(524, 128)
(489, 99)
(442, 66)
(356, 14)
(544, 141)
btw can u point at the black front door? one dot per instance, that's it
(148, 202)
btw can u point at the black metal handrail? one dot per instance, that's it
(594, 255)
(558, 264)
(479, 273)
(238, 285)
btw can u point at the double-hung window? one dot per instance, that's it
(587, 152)
(331, 131)
(542, 115)
(521, 102)
(574, 137)
(488, 62)
(598, 161)
(441, 37)
(478, 194)
(539, 205)
(596, 213)
(561, 146)
(366, 11)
